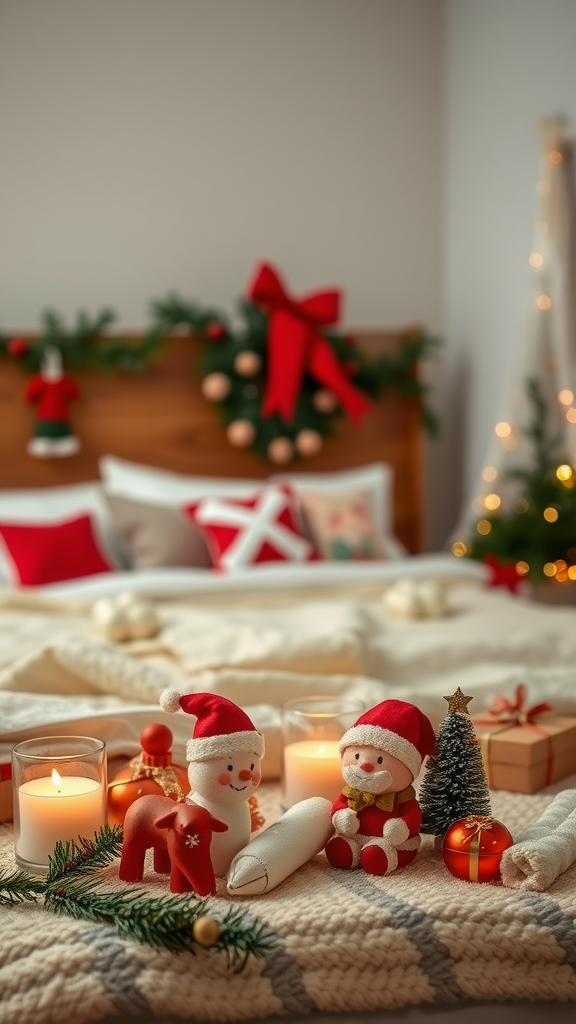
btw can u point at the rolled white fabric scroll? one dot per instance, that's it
(546, 849)
(290, 842)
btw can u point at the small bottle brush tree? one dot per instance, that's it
(454, 784)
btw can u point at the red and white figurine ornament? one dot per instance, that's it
(377, 817)
(52, 391)
(224, 757)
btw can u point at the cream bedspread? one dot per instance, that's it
(263, 651)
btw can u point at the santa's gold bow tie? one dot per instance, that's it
(358, 799)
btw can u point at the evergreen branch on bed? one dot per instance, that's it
(18, 886)
(71, 887)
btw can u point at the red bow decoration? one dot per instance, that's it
(295, 345)
(502, 574)
(513, 711)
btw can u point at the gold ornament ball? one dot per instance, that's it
(308, 442)
(280, 450)
(241, 433)
(206, 930)
(247, 364)
(216, 387)
(324, 401)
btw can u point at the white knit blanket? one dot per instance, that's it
(340, 941)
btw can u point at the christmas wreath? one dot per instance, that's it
(282, 373)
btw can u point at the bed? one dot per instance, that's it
(431, 946)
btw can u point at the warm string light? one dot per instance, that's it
(535, 259)
(566, 396)
(555, 156)
(503, 429)
(522, 568)
(492, 502)
(543, 302)
(550, 514)
(571, 415)
(484, 527)
(459, 548)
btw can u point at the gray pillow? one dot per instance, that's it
(156, 535)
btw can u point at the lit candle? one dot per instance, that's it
(311, 768)
(55, 809)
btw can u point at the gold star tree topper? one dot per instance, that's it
(458, 701)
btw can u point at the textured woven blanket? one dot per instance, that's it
(340, 941)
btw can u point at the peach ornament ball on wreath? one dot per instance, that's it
(324, 401)
(241, 433)
(247, 364)
(308, 443)
(280, 450)
(216, 387)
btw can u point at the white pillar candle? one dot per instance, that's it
(55, 809)
(312, 768)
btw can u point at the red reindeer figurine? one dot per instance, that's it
(180, 835)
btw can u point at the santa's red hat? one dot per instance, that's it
(398, 728)
(221, 728)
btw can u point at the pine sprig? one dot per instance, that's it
(72, 888)
(18, 887)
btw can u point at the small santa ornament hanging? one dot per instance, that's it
(52, 391)
(224, 771)
(377, 817)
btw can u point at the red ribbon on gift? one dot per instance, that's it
(295, 345)
(508, 714)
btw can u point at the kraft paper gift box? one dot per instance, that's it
(525, 757)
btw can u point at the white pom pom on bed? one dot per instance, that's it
(170, 701)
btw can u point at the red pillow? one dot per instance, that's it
(50, 553)
(249, 531)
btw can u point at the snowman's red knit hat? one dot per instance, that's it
(221, 728)
(396, 727)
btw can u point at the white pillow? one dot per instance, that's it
(122, 479)
(132, 480)
(54, 504)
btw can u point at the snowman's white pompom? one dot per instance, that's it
(170, 701)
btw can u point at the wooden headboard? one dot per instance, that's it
(160, 418)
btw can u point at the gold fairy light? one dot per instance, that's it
(484, 527)
(566, 396)
(549, 569)
(550, 514)
(571, 415)
(562, 576)
(560, 564)
(489, 474)
(572, 572)
(543, 302)
(522, 568)
(564, 472)
(459, 548)
(535, 259)
(492, 502)
(554, 156)
(503, 429)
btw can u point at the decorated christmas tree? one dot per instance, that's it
(535, 537)
(454, 784)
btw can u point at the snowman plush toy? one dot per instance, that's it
(224, 757)
(377, 818)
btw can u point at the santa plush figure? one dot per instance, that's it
(224, 757)
(52, 391)
(377, 817)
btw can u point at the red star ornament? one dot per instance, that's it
(502, 574)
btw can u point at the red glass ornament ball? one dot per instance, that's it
(472, 848)
(17, 347)
(215, 331)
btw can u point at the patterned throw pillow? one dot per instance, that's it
(241, 532)
(342, 526)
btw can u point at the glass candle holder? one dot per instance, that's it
(311, 729)
(59, 790)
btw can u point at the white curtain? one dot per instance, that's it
(548, 348)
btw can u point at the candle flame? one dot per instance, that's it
(56, 779)
(322, 748)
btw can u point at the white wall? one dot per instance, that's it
(509, 62)
(150, 145)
